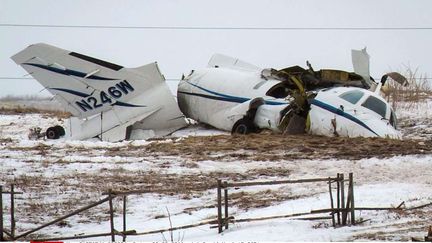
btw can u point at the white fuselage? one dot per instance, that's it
(222, 96)
(352, 112)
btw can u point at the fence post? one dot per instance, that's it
(351, 183)
(219, 204)
(12, 211)
(331, 203)
(338, 198)
(226, 204)
(124, 218)
(1, 213)
(111, 216)
(342, 188)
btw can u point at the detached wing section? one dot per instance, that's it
(109, 96)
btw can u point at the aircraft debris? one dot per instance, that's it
(107, 101)
(236, 96)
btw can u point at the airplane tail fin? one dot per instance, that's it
(89, 87)
(84, 85)
(75, 80)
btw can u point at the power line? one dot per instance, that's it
(167, 79)
(14, 78)
(213, 27)
(29, 78)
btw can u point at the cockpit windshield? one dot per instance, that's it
(374, 104)
(352, 96)
(393, 119)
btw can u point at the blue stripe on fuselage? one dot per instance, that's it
(340, 112)
(224, 97)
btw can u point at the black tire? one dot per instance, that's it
(60, 130)
(243, 127)
(52, 133)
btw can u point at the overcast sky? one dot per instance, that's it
(179, 51)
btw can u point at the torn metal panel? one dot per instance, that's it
(360, 61)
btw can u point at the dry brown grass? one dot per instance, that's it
(6, 140)
(406, 230)
(276, 147)
(418, 89)
(247, 200)
(31, 110)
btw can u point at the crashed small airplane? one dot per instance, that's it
(114, 103)
(236, 96)
(106, 100)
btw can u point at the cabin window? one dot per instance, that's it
(352, 96)
(376, 105)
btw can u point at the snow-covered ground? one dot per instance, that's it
(57, 177)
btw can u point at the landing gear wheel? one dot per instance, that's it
(60, 130)
(52, 133)
(241, 129)
(55, 132)
(243, 126)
